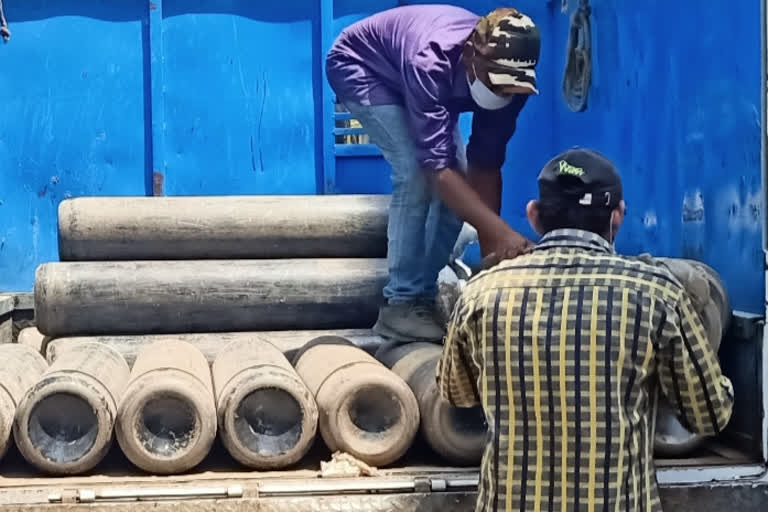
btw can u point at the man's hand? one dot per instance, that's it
(495, 235)
(508, 244)
(505, 245)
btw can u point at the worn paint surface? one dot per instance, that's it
(239, 96)
(676, 103)
(224, 97)
(72, 119)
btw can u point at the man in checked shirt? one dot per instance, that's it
(562, 347)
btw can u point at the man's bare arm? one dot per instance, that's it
(481, 210)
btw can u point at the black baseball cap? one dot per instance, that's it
(580, 177)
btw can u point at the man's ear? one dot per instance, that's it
(532, 212)
(617, 217)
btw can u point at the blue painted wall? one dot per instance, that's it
(72, 119)
(239, 98)
(224, 97)
(675, 102)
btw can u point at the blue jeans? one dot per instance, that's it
(422, 229)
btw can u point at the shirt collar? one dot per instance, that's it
(576, 238)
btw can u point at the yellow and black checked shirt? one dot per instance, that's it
(561, 347)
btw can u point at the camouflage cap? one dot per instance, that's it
(503, 51)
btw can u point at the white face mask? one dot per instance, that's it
(485, 98)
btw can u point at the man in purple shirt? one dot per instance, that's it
(406, 74)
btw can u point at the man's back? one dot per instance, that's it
(561, 347)
(371, 59)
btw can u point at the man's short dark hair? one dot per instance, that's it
(554, 216)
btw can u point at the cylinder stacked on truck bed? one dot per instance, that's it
(457, 434)
(210, 344)
(267, 416)
(64, 424)
(20, 368)
(137, 270)
(167, 419)
(365, 409)
(152, 297)
(210, 227)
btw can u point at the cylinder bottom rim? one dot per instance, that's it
(63, 427)
(167, 426)
(268, 422)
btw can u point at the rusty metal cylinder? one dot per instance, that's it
(365, 409)
(156, 297)
(223, 227)
(20, 368)
(267, 416)
(456, 434)
(710, 300)
(167, 420)
(65, 423)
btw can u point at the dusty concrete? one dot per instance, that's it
(458, 435)
(227, 227)
(210, 344)
(167, 418)
(20, 368)
(164, 297)
(267, 416)
(65, 422)
(365, 409)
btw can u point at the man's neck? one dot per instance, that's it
(575, 238)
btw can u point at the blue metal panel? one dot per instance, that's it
(326, 122)
(72, 119)
(356, 150)
(363, 175)
(157, 100)
(240, 106)
(676, 103)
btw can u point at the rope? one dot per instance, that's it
(578, 68)
(5, 33)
